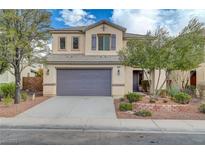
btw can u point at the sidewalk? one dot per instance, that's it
(110, 125)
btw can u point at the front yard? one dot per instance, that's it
(15, 109)
(163, 108)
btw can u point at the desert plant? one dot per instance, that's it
(163, 93)
(190, 90)
(202, 108)
(7, 89)
(24, 96)
(133, 97)
(125, 107)
(8, 101)
(182, 98)
(143, 113)
(173, 90)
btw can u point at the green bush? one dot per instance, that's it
(7, 89)
(125, 107)
(202, 108)
(190, 90)
(143, 113)
(133, 97)
(8, 101)
(182, 98)
(173, 90)
(24, 96)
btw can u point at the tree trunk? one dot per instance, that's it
(17, 77)
(18, 84)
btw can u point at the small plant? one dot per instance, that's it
(202, 108)
(8, 101)
(172, 91)
(190, 90)
(122, 99)
(143, 113)
(152, 100)
(125, 107)
(7, 89)
(133, 97)
(24, 96)
(163, 93)
(182, 98)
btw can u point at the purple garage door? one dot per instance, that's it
(84, 82)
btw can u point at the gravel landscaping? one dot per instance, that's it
(14, 109)
(164, 108)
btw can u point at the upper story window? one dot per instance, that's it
(75, 42)
(104, 42)
(62, 44)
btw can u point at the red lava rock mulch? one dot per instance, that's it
(160, 110)
(15, 109)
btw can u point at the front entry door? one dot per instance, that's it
(135, 81)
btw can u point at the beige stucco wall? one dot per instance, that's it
(154, 75)
(121, 84)
(200, 74)
(69, 50)
(98, 30)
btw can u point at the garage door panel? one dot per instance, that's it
(84, 82)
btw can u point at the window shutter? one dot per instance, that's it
(93, 42)
(113, 42)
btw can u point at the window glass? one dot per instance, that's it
(113, 42)
(62, 42)
(94, 42)
(104, 42)
(75, 43)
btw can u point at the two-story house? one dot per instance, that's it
(85, 62)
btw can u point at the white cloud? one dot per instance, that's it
(76, 17)
(140, 21)
(136, 21)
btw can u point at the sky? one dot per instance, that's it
(136, 21)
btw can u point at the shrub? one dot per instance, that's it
(122, 99)
(125, 107)
(145, 85)
(133, 97)
(182, 98)
(7, 89)
(143, 113)
(163, 93)
(7, 101)
(190, 90)
(173, 90)
(202, 108)
(24, 96)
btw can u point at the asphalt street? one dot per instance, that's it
(71, 137)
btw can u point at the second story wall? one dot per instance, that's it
(103, 29)
(68, 43)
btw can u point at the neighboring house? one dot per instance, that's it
(29, 71)
(85, 62)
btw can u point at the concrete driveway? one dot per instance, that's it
(73, 107)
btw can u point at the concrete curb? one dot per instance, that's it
(107, 125)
